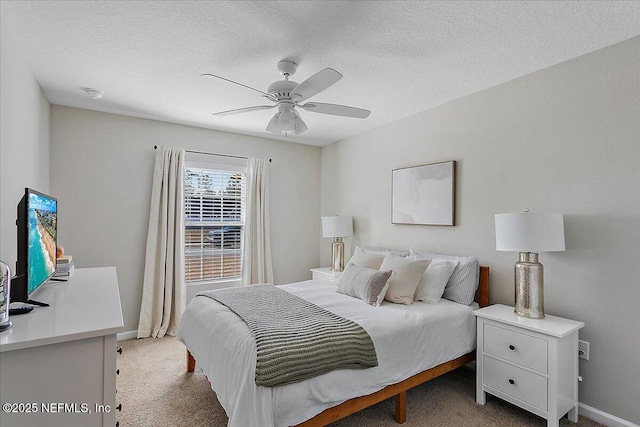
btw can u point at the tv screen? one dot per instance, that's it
(42, 213)
(37, 227)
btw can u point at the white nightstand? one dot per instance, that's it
(532, 363)
(325, 273)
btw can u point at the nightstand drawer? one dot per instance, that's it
(516, 382)
(516, 347)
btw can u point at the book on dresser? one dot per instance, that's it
(64, 273)
(64, 266)
(64, 260)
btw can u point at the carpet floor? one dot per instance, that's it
(155, 390)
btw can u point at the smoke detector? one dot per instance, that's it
(93, 93)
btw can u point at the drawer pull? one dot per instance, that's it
(119, 350)
(119, 407)
(512, 347)
(512, 382)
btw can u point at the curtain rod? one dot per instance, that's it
(155, 147)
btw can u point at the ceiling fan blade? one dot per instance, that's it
(239, 84)
(301, 126)
(273, 124)
(336, 110)
(315, 84)
(243, 110)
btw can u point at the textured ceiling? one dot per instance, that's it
(398, 58)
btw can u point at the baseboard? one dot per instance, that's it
(127, 335)
(603, 417)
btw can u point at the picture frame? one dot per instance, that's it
(424, 194)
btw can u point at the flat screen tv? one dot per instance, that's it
(37, 226)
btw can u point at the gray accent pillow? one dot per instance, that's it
(463, 283)
(364, 283)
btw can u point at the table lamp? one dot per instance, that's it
(337, 227)
(529, 233)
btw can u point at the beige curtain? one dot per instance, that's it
(256, 263)
(163, 289)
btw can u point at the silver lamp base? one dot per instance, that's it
(529, 286)
(337, 254)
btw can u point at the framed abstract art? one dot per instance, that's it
(424, 194)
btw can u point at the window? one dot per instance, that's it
(214, 213)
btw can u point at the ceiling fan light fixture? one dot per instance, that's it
(273, 125)
(286, 121)
(301, 126)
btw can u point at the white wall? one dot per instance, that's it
(101, 172)
(24, 140)
(566, 139)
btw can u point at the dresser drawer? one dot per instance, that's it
(516, 347)
(517, 382)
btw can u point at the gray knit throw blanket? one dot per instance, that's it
(296, 339)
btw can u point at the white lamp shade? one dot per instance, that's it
(530, 232)
(337, 226)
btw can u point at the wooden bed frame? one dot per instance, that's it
(398, 390)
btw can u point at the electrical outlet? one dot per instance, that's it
(583, 349)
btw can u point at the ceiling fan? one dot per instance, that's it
(287, 95)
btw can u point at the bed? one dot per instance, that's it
(425, 341)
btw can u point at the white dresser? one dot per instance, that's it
(532, 363)
(325, 273)
(58, 363)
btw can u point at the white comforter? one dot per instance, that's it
(408, 340)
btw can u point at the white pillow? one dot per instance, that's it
(405, 278)
(361, 258)
(463, 282)
(434, 279)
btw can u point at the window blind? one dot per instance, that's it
(214, 212)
